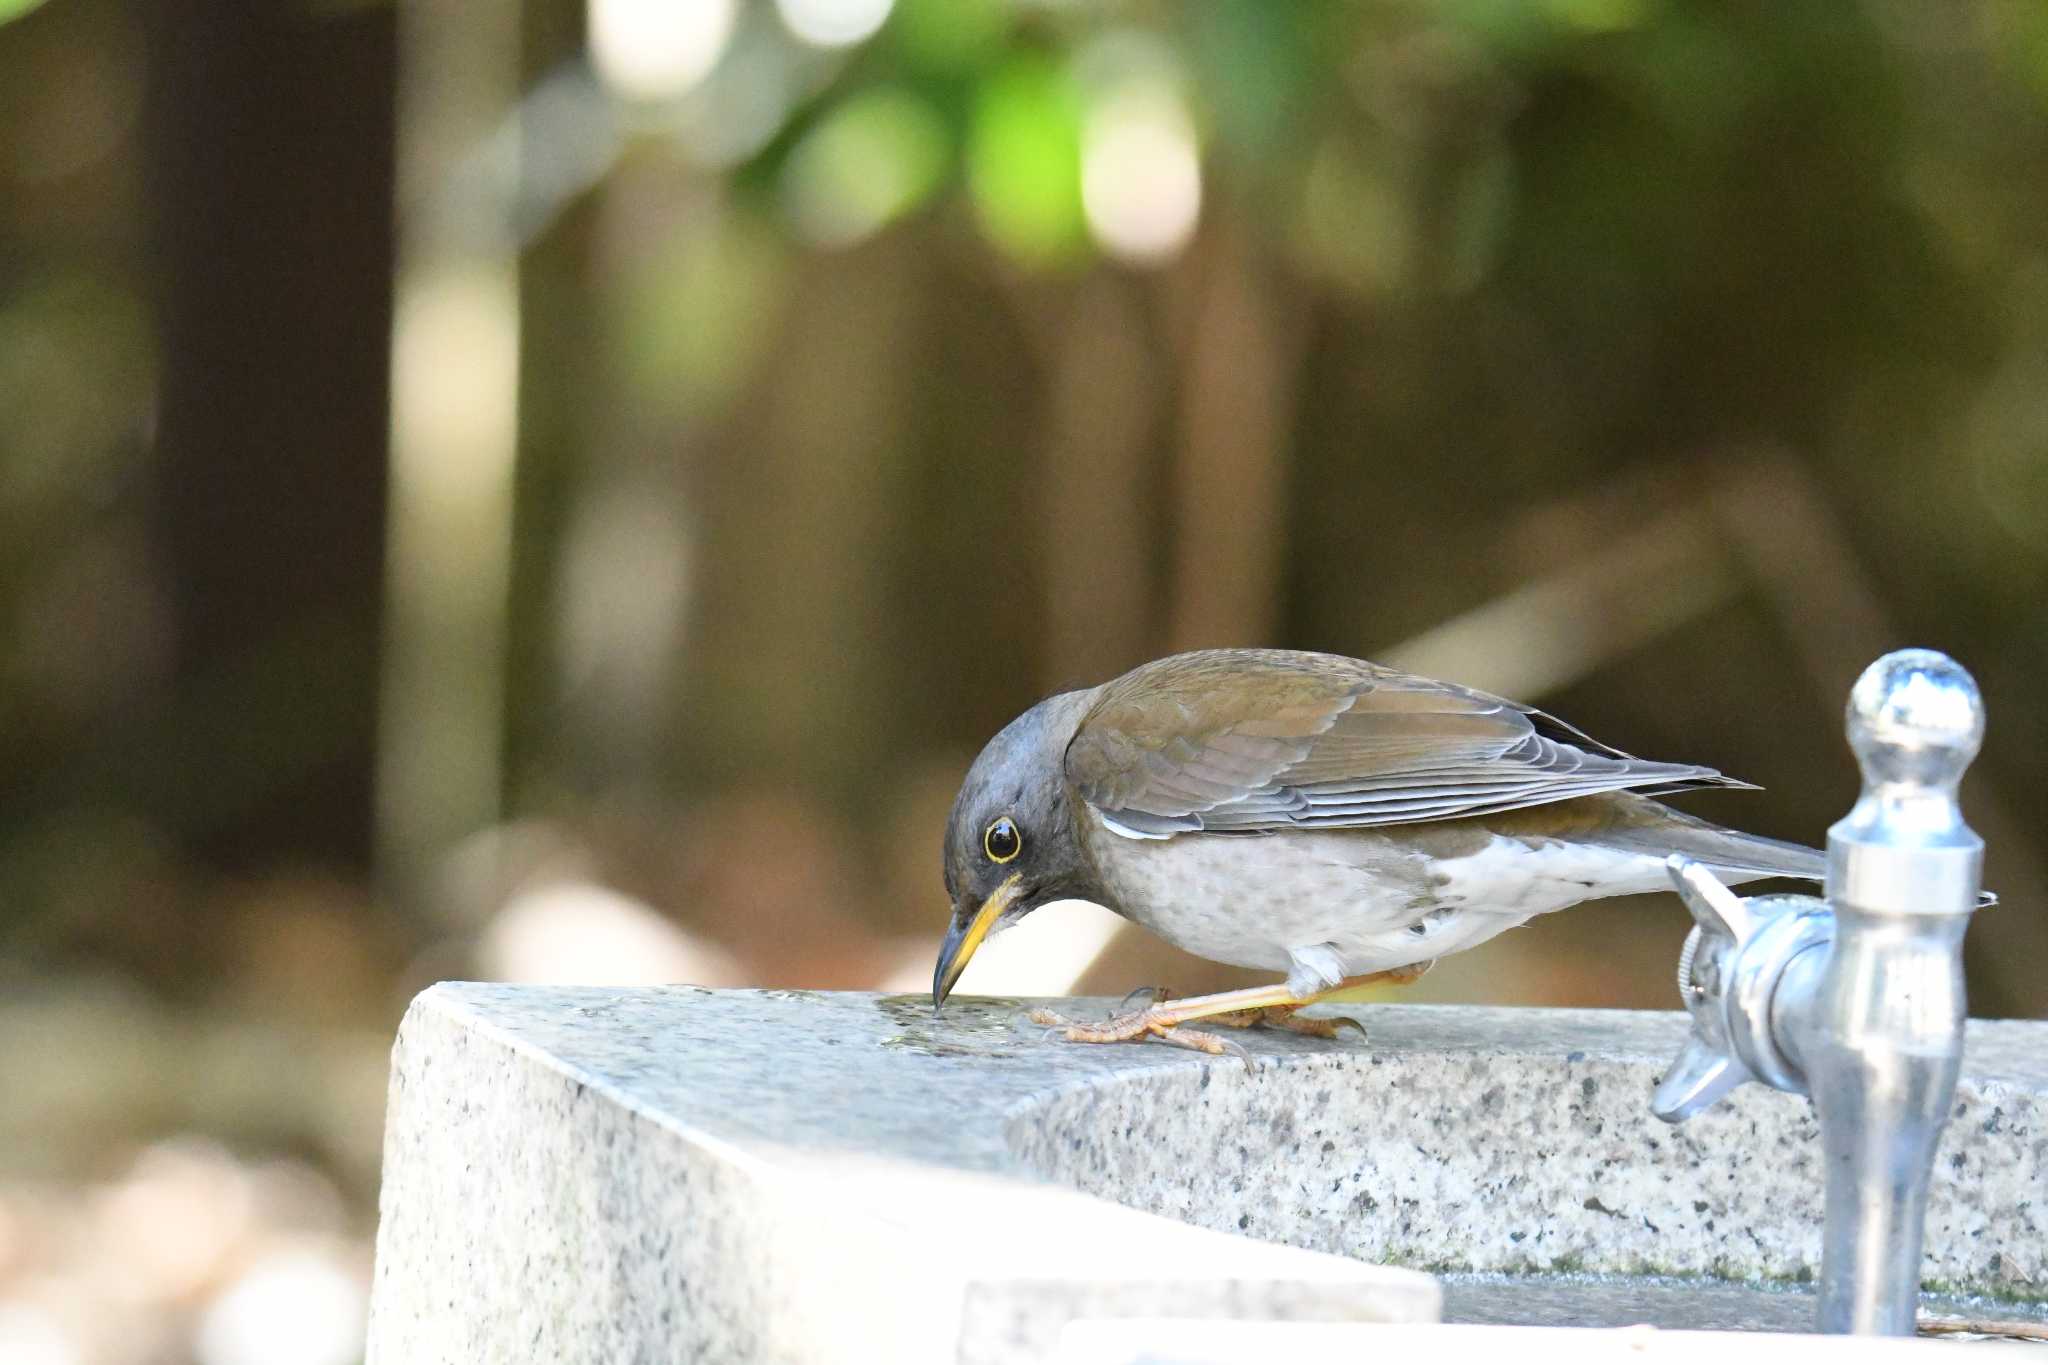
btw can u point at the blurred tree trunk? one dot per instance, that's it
(1239, 372)
(1098, 507)
(269, 165)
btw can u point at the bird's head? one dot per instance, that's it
(1012, 843)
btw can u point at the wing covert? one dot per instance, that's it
(1245, 741)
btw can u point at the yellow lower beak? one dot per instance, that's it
(966, 935)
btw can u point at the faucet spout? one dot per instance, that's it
(1880, 1049)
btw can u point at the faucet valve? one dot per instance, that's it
(1728, 975)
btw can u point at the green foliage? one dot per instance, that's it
(870, 160)
(697, 313)
(950, 35)
(1024, 160)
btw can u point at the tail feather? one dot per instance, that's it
(1729, 851)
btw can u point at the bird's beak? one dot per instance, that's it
(965, 935)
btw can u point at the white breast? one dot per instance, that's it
(1257, 900)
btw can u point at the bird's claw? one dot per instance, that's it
(1199, 1041)
(1152, 995)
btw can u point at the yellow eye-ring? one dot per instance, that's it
(1001, 841)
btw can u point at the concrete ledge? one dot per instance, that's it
(1520, 1143)
(603, 1176)
(679, 1174)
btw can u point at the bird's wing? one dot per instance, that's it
(1243, 741)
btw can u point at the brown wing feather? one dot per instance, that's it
(1243, 741)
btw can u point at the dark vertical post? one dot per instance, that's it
(270, 134)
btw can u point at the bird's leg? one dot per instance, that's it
(1163, 1021)
(1274, 1005)
(1353, 989)
(1348, 991)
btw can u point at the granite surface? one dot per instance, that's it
(676, 1174)
(680, 1174)
(1521, 1141)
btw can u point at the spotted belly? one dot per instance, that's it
(1372, 897)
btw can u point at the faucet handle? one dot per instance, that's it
(1715, 909)
(1732, 960)
(1706, 1068)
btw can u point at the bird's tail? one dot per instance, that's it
(1736, 855)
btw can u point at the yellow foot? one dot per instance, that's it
(1136, 1026)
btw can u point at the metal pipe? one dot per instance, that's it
(1881, 1055)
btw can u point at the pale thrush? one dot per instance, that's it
(1310, 814)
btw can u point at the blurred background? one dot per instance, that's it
(560, 490)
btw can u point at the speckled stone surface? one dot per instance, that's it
(1521, 1141)
(676, 1174)
(679, 1174)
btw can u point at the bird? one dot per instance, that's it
(1335, 820)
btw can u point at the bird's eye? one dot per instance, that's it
(1002, 842)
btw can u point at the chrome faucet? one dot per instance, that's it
(1855, 1000)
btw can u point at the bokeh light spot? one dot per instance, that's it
(657, 49)
(292, 1308)
(30, 1335)
(950, 35)
(867, 163)
(1024, 162)
(833, 23)
(1141, 176)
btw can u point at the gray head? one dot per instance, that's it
(1011, 842)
